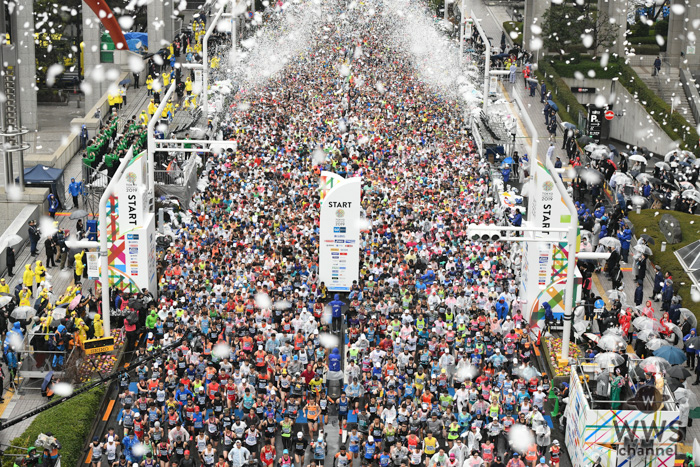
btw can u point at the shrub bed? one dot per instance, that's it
(69, 422)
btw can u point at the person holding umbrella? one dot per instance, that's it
(690, 351)
(10, 260)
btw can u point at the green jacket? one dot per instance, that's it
(151, 320)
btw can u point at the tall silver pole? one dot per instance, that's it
(205, 60)
(151, 147)
(444, 15)
(462, 25)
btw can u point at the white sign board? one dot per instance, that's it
(132, 195)
(93, 265)
(493, 84)
(339, 244)
(139, 255)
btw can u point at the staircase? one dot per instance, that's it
(667, 85)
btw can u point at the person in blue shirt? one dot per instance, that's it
(548, 314)
(639, 293)
(502, 308)
(646, 189)
(75, 188)
(53, 205)
(625, 237)
(517, 219)
(505, 172)
(336, 310)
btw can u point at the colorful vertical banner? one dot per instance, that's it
(339, 244)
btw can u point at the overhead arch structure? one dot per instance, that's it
(104, 13)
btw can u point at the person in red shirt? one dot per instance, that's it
(308, 374)
(213, 388)
(268, 454)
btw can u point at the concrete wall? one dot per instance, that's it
(15, 215)
(632, 124)
(691, 92)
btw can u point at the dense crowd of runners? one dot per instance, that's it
(438, 362)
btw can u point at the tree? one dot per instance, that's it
(603, 31)
(570, 24)
(562, 26)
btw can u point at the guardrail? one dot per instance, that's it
(691, 92)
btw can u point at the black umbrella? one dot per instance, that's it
(693, 343)
(679, 372)
(673, 384)
(47, 380)
(585, 140)
(647, 239)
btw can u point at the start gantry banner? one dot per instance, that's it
(339, 243)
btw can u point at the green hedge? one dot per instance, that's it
(675, 125)
(70, 422)
(642, 40)
(645, 49)
(561, 92)
(583, 65)
(514, 26)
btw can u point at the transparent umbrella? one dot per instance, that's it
(639, 248)
(689, 316)
(642, 323)
(610, 241)
(655, 365)
(4, 300)
(611, 342)
(617, 295)
(656, 343)
(527, 372)
(607, 359)
(23, 312)
(13, 240)
(647, 334)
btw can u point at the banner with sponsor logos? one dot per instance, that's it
(339, 243)
(131, 232)
(543, 278)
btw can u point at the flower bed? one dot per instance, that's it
(553, 351)
(101, 363)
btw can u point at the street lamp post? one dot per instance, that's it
(487, 58)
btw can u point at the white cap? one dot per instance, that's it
(110, 439)
(370, 439)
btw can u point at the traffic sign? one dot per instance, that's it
(609, 114)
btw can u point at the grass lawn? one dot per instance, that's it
(647, 223)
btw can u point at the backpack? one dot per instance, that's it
(132, 318)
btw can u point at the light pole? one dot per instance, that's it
(205, 60)
(462, 25)
(487, 58)
(151, 148)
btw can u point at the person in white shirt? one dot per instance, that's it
(239, 455)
